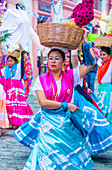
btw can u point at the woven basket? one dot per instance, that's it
(103, 41)
(60, 35)
(14, 54)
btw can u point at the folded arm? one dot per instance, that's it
(50, 104)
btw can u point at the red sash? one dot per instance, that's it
(102, 70)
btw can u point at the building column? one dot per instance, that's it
(109, 2)
(96, 4)
(34, 47)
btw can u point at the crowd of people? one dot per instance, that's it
(73, 124)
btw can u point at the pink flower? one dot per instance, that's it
(83, 13)
(89, 2)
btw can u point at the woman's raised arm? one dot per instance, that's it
(88, 54)
(83, 69)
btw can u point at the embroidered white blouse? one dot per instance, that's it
(17, 75)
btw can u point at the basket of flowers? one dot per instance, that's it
(103, 41)
(60, 35)
(14, 50)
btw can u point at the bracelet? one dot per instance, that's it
(88, 44)
(64, 105)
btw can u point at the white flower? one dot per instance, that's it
(13, 47)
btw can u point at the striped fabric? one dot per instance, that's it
(100, 136)
(28, 132)
(105, 96)
(57, 144)
(17, 108)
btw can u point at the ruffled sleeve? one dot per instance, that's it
(37, 86)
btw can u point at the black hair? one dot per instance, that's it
(20, 5)
(14, 58)
(70, 63)
(61, 52)
(105, 49)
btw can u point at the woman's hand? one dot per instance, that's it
(25, 55)
(72, 107)
(89, 91)
(22, 49)
(85, 36)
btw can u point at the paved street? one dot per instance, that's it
(14, 155)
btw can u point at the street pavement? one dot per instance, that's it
(13, 155)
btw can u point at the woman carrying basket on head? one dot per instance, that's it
(17, 108)
(61, 136)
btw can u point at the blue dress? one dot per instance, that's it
(58, 139)
(100, 136)
(55, 142)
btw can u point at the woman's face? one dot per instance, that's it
(67, 59)
(104, 56)
(13, 1)
(11, 62)
(55, 61)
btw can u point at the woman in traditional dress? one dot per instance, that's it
(60, 137)
(105, 82)
(17, 108)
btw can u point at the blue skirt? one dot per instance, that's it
(28, 132)
(105, 95)
(100, 136)
(56, 142)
